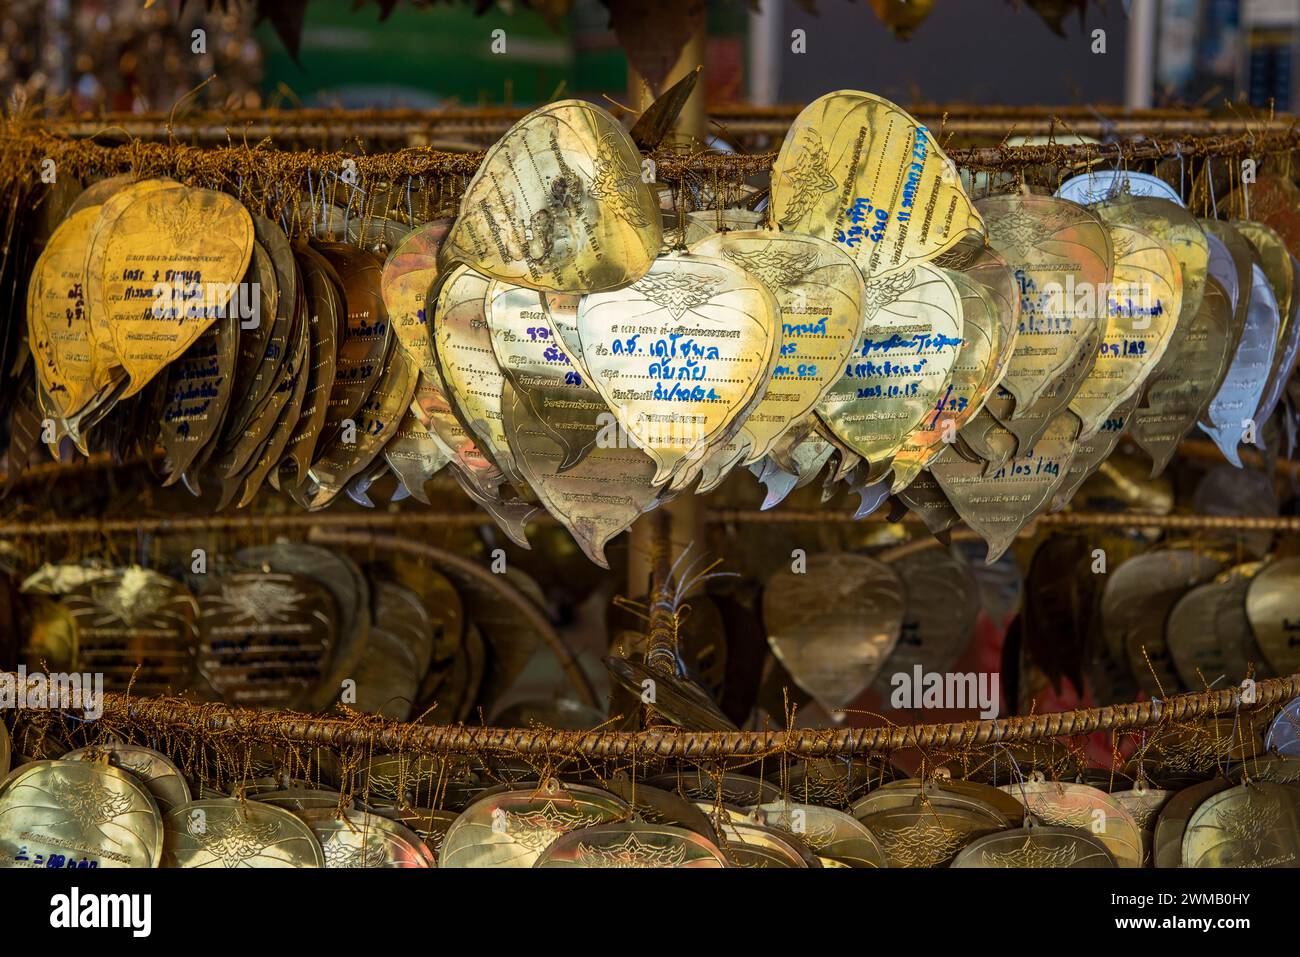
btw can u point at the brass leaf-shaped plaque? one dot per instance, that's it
(632, 844)
(827, 832)
(377, 421)
(388, 676)
(681, 356)
(926, 499)
(1276, 263)
(960, 398)
(198, 392)
(985, 438)
(58, 318)
(1231, 257)
(1101, 185)
(1036, 846)
(923, 835)
(248, 429)
(1171, 824)
(562, 311)
(160, 777)
(819, 290)
(1186, 379)
(364, 335)
(1270, 604)
(197, 244)
(232, 832)
(1027, 423)
(323, 306)
(558, 204)
(1135, 606)
(595, 499)
(137, 628)
(942, 601)
(266, 637)
(1065, 804)
(346, 585)
(535, 360)
(474, 472)
(62, 814)
(289, 396)
(1091, 452)
(1174, 226)
(900, 366)
(986, 267)
(356, 839)
(857, 171)
(409, 272)
(1231, 410)
(834, 626)
(807, 458)
(1256, 824)
(999, 503)
(263, 348)
(414, 453)
(1058, 251)
(116, 194)
(468, 368)
(1141, 312)
(514, 828)
(1284, 357)
(1209, 632)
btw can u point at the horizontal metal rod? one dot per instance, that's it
(468, 519)
(375, 734)
(1245, 523)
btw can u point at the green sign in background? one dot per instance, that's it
(440, 55)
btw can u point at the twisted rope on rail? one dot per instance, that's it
(26, 148)
(175, 716)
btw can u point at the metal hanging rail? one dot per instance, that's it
(170, 716)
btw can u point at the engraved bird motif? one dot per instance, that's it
(883, 290)
(1020, 230)
(1123, 244)
(537, 829)
(777, 268)
(923, 844)
(678, 292)
(179, 217)
(631, 852)
(89, 804)
(809, 177)
(132, 598)
(261, 601)
(1250, 823)
(1063, 815)
(1030, 854)
(234, 842)
(369, 853)
(616, 184)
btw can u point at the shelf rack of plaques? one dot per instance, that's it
(811, 562)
